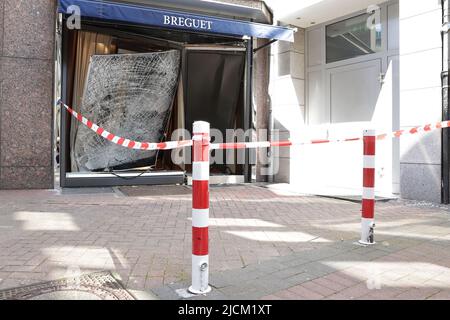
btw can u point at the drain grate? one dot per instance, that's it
(95, 286)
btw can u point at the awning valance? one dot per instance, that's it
(174, 20)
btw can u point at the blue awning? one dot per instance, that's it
(175, 20)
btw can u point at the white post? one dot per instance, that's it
(368, 198)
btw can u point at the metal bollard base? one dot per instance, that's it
(197, 292)
(366, 244)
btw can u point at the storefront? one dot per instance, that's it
(144, 72)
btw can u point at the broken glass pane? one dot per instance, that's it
(130, 95)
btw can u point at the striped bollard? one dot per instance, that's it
(200, 208)
(368, 199)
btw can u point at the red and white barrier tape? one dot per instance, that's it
(287, 143)
(240, 145)
(250, 145)
(423, 129)
(127, 143)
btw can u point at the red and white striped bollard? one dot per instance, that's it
(200, 208)
(368, 198)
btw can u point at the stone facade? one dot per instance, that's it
(420, 98)
(261, 66)
(26, 96)
(26, 77)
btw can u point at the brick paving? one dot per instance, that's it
(263, 244)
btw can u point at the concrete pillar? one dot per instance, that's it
(261, 67)
(420, 98)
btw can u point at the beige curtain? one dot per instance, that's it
(88, 44)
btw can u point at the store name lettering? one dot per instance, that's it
(187, 22)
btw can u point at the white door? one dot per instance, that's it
(354, 91)
(345, 95)
(352, 102)
(354, 96)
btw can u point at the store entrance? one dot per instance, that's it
(143, 84)
(214, 93)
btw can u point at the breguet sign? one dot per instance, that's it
(197, 24)
(143, 15)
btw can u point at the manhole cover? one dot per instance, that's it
(96, 286)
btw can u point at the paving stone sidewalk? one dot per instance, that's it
(264, 243)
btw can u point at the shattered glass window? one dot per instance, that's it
(130, 95)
